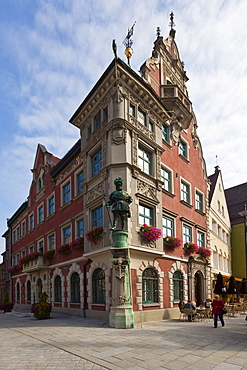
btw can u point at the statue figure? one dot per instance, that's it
(120, 200)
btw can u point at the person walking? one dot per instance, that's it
(217, 305)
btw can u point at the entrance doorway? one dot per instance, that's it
(199, 288)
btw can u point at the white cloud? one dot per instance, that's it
(55, 61)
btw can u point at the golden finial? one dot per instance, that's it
(128, 42)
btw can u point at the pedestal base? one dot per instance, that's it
(121, 317)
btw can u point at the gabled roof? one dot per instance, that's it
(72, 153)
(213, 179)
(236, 199)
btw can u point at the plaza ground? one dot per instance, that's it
(68, 343)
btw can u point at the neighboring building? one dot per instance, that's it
(237, 202)
(142, 128)
(219, 228)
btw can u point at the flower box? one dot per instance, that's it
(191, 248)
(29, 257)
(150, 232)
(49, 255)
(64, 250)
(171, 242)
(204, 252)
(15, 269)
(78, 244)
(95, 235)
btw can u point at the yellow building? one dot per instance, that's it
(219, 229)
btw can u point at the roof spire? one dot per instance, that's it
(172, 24)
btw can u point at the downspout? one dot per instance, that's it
(85, 285)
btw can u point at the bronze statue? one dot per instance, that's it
(120, 200)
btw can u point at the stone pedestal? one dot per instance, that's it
(121, 317)
(121, 312)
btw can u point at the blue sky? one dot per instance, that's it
(53, 52)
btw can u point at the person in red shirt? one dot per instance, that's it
(217, 305)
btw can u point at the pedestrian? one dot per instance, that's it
(217, 305)
(191, 307)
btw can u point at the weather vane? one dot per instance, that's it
(128, 42)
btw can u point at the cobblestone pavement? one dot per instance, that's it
(68, 343)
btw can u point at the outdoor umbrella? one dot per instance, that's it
(243, 286)
(219, 286)
(232, 286)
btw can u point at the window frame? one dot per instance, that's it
(40, 215)
(51, 207)
(78, 182)
(98, 285)
(199, 202)
(183, 193)
(183, 149)
(144, 217)
(167, 181)
(69, 237)
(97, 120)
(144, 164)
(170, 230)
(78, 235)
(178, 287)
(97, 220)
(75, 288)
(97, 164)
(31, 221)
(166, 133)
(66, 194)
(58, 289)
(150, 286)
(187, 237)
(200, 242)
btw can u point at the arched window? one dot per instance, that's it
(28, 290)
(149, 286)
(57, 289)
(18, 291)
(75, 288)
(98, 281)
(178, 286)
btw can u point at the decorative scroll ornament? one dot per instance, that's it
(118, 134)
(176, 128)
(120, 266)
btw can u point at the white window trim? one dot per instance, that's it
(188, 183)
(184, 224)
(38, 208)
(199, 192)
(172, 182)
(29, 216)
(68, 180)
(75, 180)
(188, 149)
(65, 226)
(47, 204)
(47, 240)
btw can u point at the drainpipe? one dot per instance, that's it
(85, 285)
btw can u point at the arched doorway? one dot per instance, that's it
(199, 288)
(39, 288)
